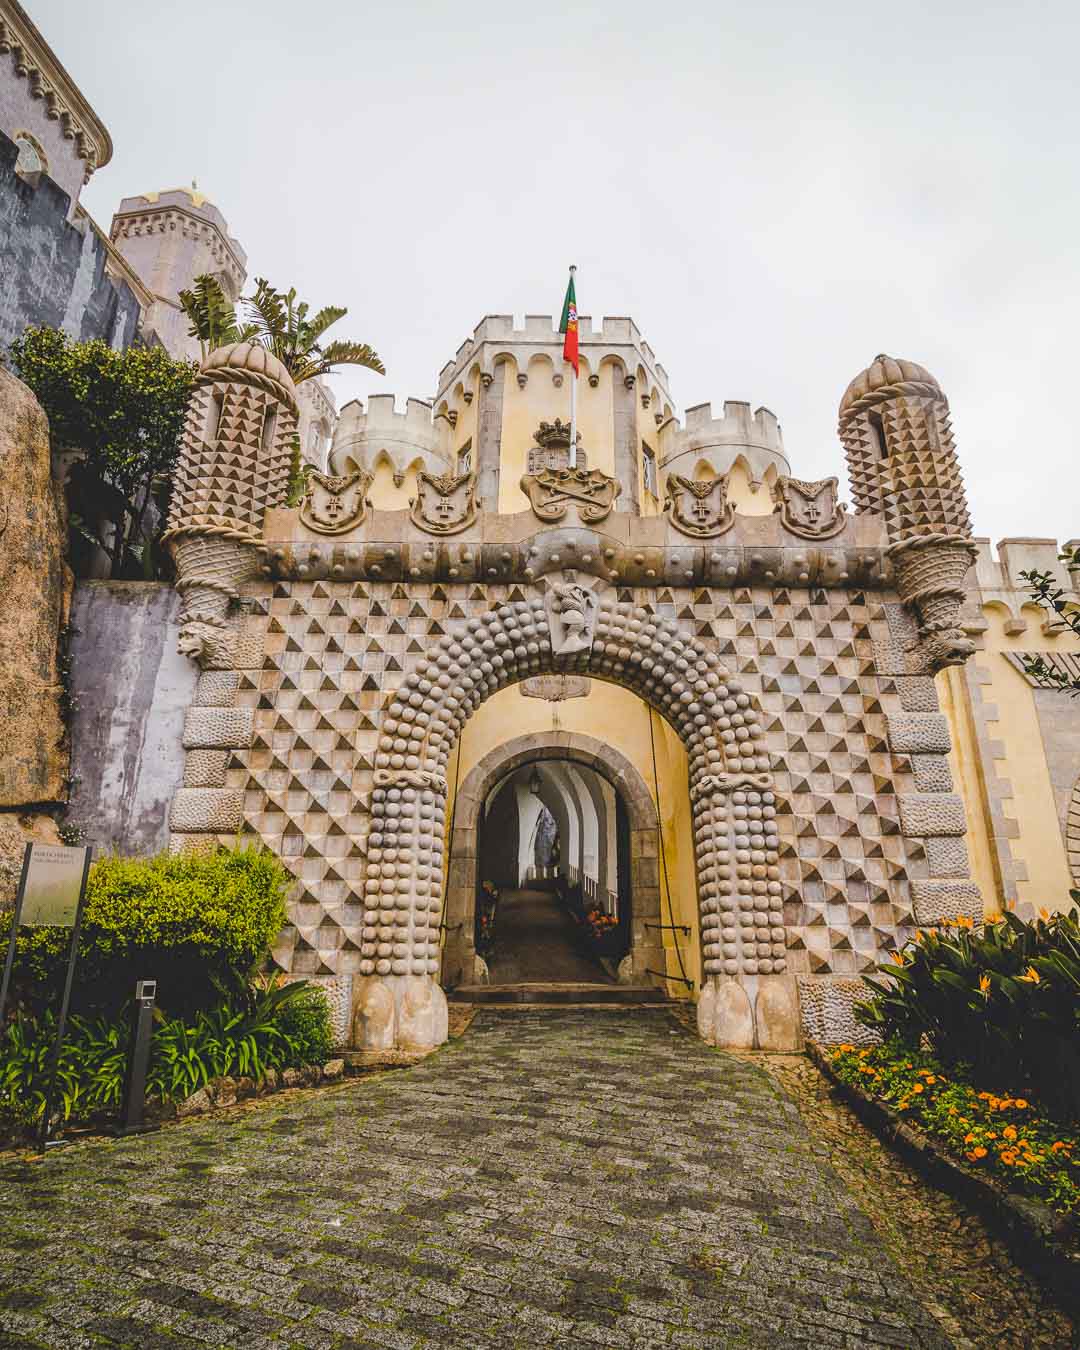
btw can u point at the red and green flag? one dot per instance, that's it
(568, 326)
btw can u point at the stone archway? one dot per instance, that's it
(746, 997)
(646, 950)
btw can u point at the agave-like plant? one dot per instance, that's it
(281, 323)
(212, 316)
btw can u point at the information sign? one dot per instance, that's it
(54, 882)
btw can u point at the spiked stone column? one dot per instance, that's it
(894, 423)
(234, 465)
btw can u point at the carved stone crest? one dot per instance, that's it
(415, 778)
(444, 503)
(552, 491)
(555, 688)
(552, 448)
(571, 611)
(810, 510)
(700, 508)
(334, 505)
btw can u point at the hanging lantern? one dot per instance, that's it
(534, 783)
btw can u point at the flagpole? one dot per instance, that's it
(573, 406)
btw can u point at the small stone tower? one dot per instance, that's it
(894, 423)
(234, 465)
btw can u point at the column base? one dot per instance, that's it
(750, 1012)
(398, 1012)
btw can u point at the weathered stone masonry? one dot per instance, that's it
(796, 674)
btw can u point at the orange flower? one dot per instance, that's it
(1057, 1146)
(1009, 1131)
(984, 985)
(1044, 913)
(952, 1110)
(846, 1049)
(917, 1088)
(976, 1153)
(1030, 976)
(964, 921)
(1008, 1158)
(991, 1134)
(898, 957)
(1021, 1104)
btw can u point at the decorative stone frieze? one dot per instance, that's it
(810, 510)
(700, 509)
(555, 688)
(444, 503)
(553, 491)
(333, 505)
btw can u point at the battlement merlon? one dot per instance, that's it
(720, 441)
(999, 578)
(496, 336)
(364, 432)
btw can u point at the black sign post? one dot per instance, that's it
(139, 1061)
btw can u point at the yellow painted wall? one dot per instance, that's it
(540, 401)
(383, 494)
(1031, 805)
(620, 719)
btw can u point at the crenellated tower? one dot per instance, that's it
(233, 467)
(894, 424)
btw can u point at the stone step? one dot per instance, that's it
(561, 994)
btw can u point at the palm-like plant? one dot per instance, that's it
(212, 316)
(282, 325)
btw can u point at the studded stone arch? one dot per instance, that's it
(734, 807)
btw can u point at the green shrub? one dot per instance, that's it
(192, 921)
(305, 1022)
(268, 1025)
(1004, 994)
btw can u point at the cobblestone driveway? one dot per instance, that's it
(558, 1178)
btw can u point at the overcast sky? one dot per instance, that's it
(776, 192)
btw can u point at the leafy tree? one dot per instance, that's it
(122, 413)
(1054, 600)
(212, 316)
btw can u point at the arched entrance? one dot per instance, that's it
(641, 873)
(747, 998)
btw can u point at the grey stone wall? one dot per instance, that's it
(52, 271)
(132, 690)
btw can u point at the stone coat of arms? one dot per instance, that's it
(810, 510)
(333, 505)
(698, 508)
(444, 503)
(552, 491)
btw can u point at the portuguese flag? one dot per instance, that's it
(568, 326)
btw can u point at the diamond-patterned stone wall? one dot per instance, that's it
(304, 730)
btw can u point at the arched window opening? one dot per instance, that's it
(877, 430)
(268, 427)
(213, 416)
(31, 159)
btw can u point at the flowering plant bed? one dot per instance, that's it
(1005, 1136)
(995, 1150)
